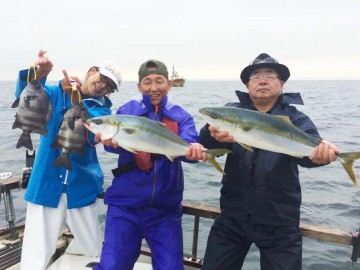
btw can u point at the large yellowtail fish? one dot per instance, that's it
(135, 134)
(273, 133)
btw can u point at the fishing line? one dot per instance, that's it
(28, 74)
(90, 143)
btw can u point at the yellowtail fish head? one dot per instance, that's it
(103, 126)
(221, 117)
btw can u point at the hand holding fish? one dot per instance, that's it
(221, 136)
(324, 153)
(196, 152)
(43, 64)
(107, 142)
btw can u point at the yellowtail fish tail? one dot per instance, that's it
(213, 153)
(347, 160)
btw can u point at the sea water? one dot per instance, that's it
(329, 197)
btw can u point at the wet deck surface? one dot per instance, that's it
(10, 254)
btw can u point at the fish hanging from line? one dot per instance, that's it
(72, 135)
(269, 132)
(136, 134)
(33, 114)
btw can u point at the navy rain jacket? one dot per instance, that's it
(262, 183)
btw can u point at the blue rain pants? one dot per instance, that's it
(125, 229)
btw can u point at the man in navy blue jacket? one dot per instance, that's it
(261, 194)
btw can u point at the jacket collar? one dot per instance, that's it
(101, 101)
(284, 100)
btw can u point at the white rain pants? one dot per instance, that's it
(44, 225)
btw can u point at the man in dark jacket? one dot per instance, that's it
(261, 193)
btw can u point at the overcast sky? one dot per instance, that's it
(203, 39)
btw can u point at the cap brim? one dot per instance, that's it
(281, 69)
(110, 75)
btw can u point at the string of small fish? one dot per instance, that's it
(34, 110)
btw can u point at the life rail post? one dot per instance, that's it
(6, 185)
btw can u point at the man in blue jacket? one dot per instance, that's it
(144, 200)
(56, 195)
(261, 194)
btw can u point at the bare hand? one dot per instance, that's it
(72, 88)
(324, 153)
(43, 64)
(196, 152)
(69, 86)
(107, 142)
(221, 136)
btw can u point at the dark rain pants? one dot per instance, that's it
(126, 227)
(230, 240)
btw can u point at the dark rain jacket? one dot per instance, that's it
(163, 185)
(261, 183)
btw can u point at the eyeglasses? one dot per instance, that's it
(268, 60)
(268, 77)
(110, 85)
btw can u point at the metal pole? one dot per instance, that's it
(10, 213)
(195, 238)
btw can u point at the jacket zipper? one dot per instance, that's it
(156, 109)
(154, 186)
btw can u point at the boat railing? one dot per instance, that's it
(316, 232)
(198, 211)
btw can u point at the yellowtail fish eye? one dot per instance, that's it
(214, 115)
(98, 121)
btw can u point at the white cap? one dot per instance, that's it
(111, 71)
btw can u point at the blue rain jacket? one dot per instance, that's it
(163, 185)
(262, 183)
(85, 181)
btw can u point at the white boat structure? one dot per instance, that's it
(177, 81)
(11, 237)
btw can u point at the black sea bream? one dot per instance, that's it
(33, 114)
(72, 135)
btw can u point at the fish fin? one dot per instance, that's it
(56, 144)
(129, 130)
(25, 140)
(44, 132)
(16, 103)
(16, 123)
(63, 160)
(171, 158)
(27, 103)
(212, 153)
(78, 151)
(284, 118)
(347, 161)
(247, 147)
(71, 123)
(132, 150)
(160, 123)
